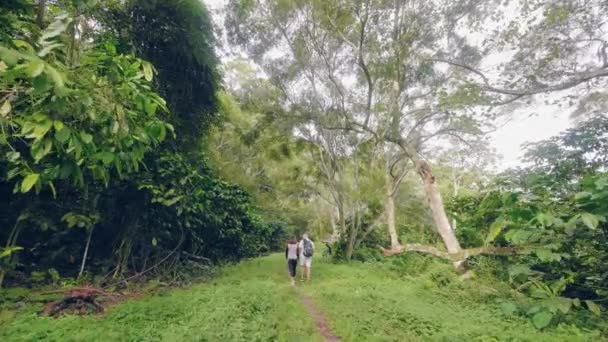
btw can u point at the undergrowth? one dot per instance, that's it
(406, 298)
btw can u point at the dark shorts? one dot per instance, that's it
(291, 265)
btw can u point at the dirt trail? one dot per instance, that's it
(319, 318)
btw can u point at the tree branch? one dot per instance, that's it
(578, 78)
(463, 255)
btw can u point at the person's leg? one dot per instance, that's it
(303, 265)
(292, 270)
(308, 267)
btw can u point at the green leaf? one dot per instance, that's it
(5, 109)
(47, 49)
(9, 250)
(63, 134)
(29, 181)
(564, 304)
(13, 156)
(519, 269)
(58, 125)
(495, 230)
(41, 148)
(40, 129)
(54, 29)
(154, 242)
(542, 319)
(41, 84)
(86, 137)
(35, 67)
(106, 157)
(150, 107)
(172, 201)
(547, 255)
(590, 220)
(55, 76)
(593, 307)
(10, 56)
(582, 194)
(148, 74)
(508, 308)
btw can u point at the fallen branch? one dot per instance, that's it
(415, 247)
(461, 256)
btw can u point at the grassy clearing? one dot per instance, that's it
(251, 301)
(371, 302)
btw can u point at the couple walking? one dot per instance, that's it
(299, 250)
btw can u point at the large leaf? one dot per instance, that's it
(57, 77)
(5, 109)
(63, 134)
(54, 29)
(546, 255)
(35, 67)
(86, 137)
(47, 49)
(593, 307)
(590, 220)
(495, 230)
(148, 74)
(29, 181)
(542, 319)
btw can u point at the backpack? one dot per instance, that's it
(308, 250)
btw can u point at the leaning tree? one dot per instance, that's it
(411, 74)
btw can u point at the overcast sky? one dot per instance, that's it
(528, 124)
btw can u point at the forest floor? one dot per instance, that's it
(253, 301)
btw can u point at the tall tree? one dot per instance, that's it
(346, 61)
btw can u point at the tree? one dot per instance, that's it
(339, 52)
(176, 36)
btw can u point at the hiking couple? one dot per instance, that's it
(299, 250)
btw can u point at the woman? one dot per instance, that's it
(291, 254)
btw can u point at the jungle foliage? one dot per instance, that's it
(102, 171)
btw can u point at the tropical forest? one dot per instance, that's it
(303, 170)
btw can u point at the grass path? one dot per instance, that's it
(319, 318)
(253, 301)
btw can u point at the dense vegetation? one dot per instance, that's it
(129, 152)
(100, 175)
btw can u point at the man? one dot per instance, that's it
(307, 249)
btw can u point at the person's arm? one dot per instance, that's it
(286, 250)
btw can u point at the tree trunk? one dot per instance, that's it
(350, 243)
(86, 252)
(440, 218)
(389, 209)
(40, 13)
(455, 193)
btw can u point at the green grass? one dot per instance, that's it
(370, 302)
(252, 301)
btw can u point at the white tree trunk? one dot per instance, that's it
(389, 209)
(438, 211)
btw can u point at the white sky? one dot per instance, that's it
(531, 123)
